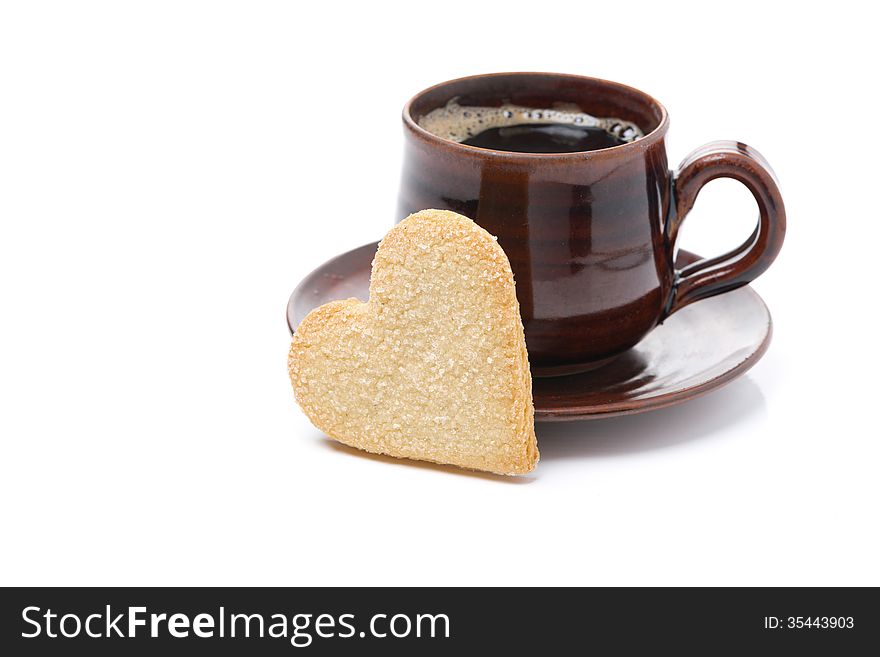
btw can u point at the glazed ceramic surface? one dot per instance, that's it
(590, 235)
(694, 351)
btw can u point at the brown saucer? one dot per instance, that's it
(698, 349)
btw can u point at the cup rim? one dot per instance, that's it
(634, 146)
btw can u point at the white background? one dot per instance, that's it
(170, 170)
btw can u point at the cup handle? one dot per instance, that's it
(711, 276)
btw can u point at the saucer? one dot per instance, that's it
(699, 348)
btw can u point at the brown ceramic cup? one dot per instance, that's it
(590, 235)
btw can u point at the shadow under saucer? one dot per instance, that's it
(666, 427)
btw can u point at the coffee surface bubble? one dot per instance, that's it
(460, 123)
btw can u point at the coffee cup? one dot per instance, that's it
(571, 174)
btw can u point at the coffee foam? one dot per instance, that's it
(459, 123)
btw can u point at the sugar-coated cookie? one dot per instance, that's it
(434, 366)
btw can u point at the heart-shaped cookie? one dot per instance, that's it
(434, 365)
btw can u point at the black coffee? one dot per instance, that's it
(545, 138)
(508, 127)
